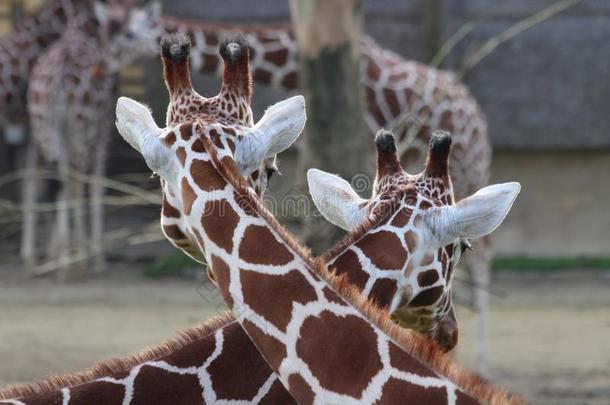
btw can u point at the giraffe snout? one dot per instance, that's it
(447, 334)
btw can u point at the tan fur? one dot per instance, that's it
(112, 366)
(417, 346)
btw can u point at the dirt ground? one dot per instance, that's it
(550, 333)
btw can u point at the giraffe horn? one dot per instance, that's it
(279, 127)
(437, 162)
(387, 157)
(236, 56)
(175, 51)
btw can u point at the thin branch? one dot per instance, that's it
(119, 237)
(126, 188)
(492, 43)
(451, 43)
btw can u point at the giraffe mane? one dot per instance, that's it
(118, 365)
(422, 349)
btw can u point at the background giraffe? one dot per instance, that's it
(18, 53)
(71, 89)
(253, 258)
(415, 98)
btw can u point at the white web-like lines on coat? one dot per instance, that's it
(202, 373)
(300, 312)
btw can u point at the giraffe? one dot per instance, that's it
(18, 53)
(418, 295)
(396, 90)
(70, 89)
(212, 363)
(212, 387)
(253, 258)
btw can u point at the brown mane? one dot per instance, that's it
(415, 345)
(118, 365)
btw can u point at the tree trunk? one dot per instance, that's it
(328, 38)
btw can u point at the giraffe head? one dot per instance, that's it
(179, 155)
(416, 214)
(127, 32)
(231, 106)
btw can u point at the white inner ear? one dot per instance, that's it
(336, 200)
(474, 216)
(136, 125)
(279, 127)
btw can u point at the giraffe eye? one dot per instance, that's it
(270, 173)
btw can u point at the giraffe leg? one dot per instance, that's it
(63, 222)
(97, 211)
(480, 266)
(28, 235)
(79, 242)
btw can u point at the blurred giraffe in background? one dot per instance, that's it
(18, 52)
(397, 91)
(70, 97)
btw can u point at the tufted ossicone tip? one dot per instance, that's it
(176, 47)
(437, 162)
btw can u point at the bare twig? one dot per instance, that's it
(126, 188)
(119, 237)
(492, 43)
(450, 43)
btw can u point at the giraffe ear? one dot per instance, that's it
(137, 126)
(336, 200)
(279, 127)
(474, 216)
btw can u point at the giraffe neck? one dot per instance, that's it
(213, 362)
(253, 258)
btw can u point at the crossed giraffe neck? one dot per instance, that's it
(415, 288)
(253, 258)
(396, 91)
(133, 382)
(19, 51)
(204, 368)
